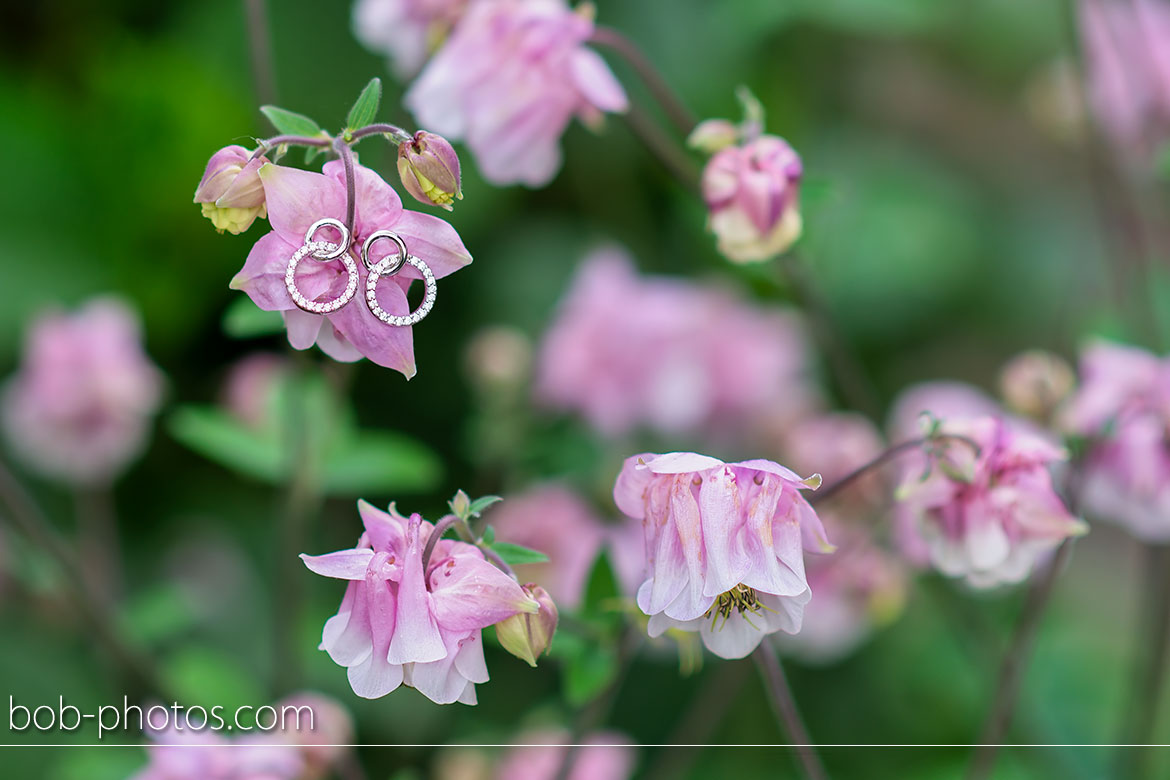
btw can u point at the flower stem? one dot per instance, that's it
(22, 511)
(98, 537)
(1150, 661)
(342, 148)
(672, 105)
(397, 132)
(1011, 670)
(784, 706)
(437, 532)
(268, 144)
(260, 47)
(890, 453)
(672, 156)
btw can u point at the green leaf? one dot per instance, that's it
(602, 586)
(366, 107)
(217, 436)
(312, 153)
(380, 462)
(514, 554)
(207, 676)
(489, 536)
(482, 503)
(245, 320)
(587, 667)
(289, 122)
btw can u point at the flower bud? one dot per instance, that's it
(752, 198)
(231, 192)
(528, 636)
(712, 135)
(429, 169)
(1035, 382)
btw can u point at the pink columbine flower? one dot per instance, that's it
(989, 515)
(429, 170)
(752, 195)
(537, 755)
(556, 521)
(81, 406)
(296, 199)
(249, 391)
(628, 351)
(1127, 59)
(1035, 382)
(509, 80)
(320, 728)
(1123, 406)
(408, 31)
(399, 623)
(724, 546)
(859, 588)
(230, 192)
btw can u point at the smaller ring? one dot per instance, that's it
(395, 267)
(380, 270)
(339, 249)
(318, 249)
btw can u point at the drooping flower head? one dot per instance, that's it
(752, 196)
(230, 191)
(296, 199)
(628, 351)
(538, 755)
(1123, 407)
(408, 31)
(986, 506)
(80, 408)
(429, 169)
(725, 546)
(406, 622)
(509, 80)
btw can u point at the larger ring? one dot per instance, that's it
(337, 250)
(320, 250)
(383, 268)
(395, 266)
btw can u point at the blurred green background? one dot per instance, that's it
(949, 224)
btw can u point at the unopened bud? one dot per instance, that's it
(528, 636)
(461, 505)
(1035, 382)
(231, 193)
(429, 169)
(711, 135)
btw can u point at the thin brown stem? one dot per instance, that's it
(825, 493)
(399, 135)
(25, 515)
(437, 532)
(672, 105)
(1011, 670)
(672, 156)
(97, 529)
(342, 148)
(784, 706)
(268, 144)
(1150, 661)
(260, 49)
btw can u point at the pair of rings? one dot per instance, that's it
(325, 251)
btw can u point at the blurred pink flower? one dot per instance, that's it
(987, 517)
(556, 521)
(724, 546)
(942, 400)
(408, 31)
(230, 191)
(321, 737)
(1123, 406)
(249, 390)
(509, 80)
(752, 195)
(1035, 382)
(400, 624)
(833, 445)
(204, 754)
(606, 755)
(628, 350)
(1127, 58)
(81, 405)
(296, 199)
(858, 588)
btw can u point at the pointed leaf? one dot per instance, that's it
(482, 503)
(515, 554)
(289, 122)
(380, 462)
(221, 438)
(366, 107)
(244, 320)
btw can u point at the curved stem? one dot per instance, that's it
(784, 705)
(342, 148)
(672, 105)
(97, 528)
(260, 47)
(400, 135)
(825, 493)
(437, 532)
(1011, 670)
(672, 156)
(27, 517)
(268, 144)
